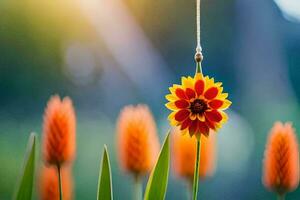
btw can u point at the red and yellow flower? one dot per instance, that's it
(197, 105)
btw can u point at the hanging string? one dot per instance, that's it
(198, 48)
(198, 55)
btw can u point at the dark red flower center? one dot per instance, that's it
(198, 106)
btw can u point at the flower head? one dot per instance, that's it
(197, 105)
(184, 155)
(48, 183)
(59, 131)
(137, 141)
(281, 162)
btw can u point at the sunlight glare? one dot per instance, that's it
(290, 9)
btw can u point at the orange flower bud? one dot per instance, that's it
(59, 139)
(137, 141)
(281, 162)
(48, 183)
(184, 155)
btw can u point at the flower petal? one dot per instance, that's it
(180, 93)
(182, 104)
(209, 82)
(225, 105)
(214, 116)
(223, 95)
(198, 76)
(173, 88)
(186, 123)
(224, 116)
(203, 128)
(216, 104)
(201, 117)
(190, 93)
(182, 115)
(187, 82)
(193, 116)
(210, 124)
(171, 97)
(193, 127)
(211, 93)
(185, 131)
(171, 106)
(199, 87)
(172, 120)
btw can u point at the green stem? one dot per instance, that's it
(198, 68)
(138, 188)
(59, 182)
(281, 196)
(196, 172)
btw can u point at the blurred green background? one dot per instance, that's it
(105, 54)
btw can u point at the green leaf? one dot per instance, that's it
(157, 183)
(104, 182)
(24, 189)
